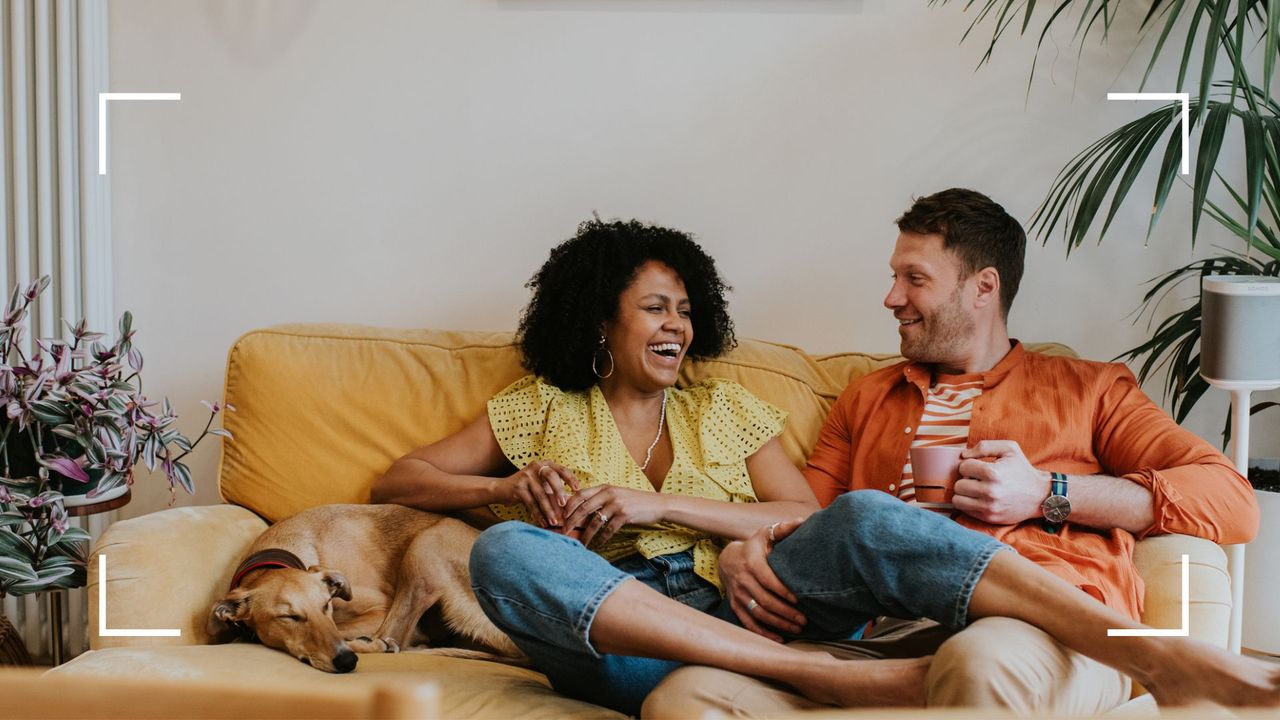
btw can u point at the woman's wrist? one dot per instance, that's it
(496, 492)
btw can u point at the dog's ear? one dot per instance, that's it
(225, 615)
(337, 582)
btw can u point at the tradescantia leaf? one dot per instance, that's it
(50, 412)
(15, 546)
(66, 467)
(16, 570)
(75, 535)
(65, 577)
(183, 475)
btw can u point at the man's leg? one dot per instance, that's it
(1000, 662)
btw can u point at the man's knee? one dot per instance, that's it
(694, 690)
(686, 693)
(997, 662)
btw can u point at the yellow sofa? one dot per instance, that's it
(323, 410)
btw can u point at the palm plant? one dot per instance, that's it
(1090, 190)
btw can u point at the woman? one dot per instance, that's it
(610, 457)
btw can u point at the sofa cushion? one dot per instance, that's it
(323, 410)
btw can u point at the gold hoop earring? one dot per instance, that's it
(595, 357)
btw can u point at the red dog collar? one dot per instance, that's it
(269, 558)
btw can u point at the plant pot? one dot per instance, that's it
(1262, 580)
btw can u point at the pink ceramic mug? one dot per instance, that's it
(934, 472)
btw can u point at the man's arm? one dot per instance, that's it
(828, 468)
(1103, 501)
(1171, 481)
(1011, 490)
(1195, 489)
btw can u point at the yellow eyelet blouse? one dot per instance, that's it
(714, 426)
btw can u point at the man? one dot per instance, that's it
(1067, 462)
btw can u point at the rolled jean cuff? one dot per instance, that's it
(582, 624)
(960, 618)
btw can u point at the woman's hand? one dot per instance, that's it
(755, 593)
(540, 486)
(602, 510)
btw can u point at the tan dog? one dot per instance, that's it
(337, 580)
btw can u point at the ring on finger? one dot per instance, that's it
(604, 519)
(772, 529)
(752, 605)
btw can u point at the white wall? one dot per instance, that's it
(410, 163)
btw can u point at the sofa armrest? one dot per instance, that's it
(166, 569)
(1159, 561)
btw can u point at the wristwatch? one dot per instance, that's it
(1056, 507)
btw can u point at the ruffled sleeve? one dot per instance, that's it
(518, 416)
(733, 424)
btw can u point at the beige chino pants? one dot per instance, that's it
(995, 662)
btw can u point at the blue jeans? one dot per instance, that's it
(868, 554)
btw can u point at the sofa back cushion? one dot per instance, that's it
(323, 410)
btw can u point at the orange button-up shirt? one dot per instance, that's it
(1068, 415)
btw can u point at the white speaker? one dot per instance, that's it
(1240, 331)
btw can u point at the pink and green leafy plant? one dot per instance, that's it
(73, 417)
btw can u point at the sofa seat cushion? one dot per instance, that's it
(468, 688)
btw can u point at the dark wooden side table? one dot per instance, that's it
(55, 596)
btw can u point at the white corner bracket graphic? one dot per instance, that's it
(1185, 99)
(102, 118)
(101, 613)
(1183, 631)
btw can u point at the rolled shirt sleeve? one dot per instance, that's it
(1195, 489)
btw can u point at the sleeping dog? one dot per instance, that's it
(337, 580)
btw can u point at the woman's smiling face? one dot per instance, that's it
(652, 330)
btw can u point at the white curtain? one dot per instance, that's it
(54, 207)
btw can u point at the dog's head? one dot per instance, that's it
(289, 610)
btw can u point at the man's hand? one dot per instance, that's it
(1004, 492)
(747, 577)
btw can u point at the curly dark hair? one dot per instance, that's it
(576, 292)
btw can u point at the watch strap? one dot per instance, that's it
(1058, 484)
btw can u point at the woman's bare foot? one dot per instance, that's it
(865, 683)
(1187, 671)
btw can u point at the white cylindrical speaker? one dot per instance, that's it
(1240, 331)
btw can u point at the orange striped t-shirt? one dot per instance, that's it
(947, 410)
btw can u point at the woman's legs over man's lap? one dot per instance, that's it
(553, 610)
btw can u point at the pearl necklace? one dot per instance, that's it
(662, 419)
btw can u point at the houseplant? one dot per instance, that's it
(74, 421)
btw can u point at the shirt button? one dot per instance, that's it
(892, 486)
(906, 430)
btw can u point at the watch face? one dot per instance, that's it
(1056, 508)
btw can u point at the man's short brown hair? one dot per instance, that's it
(977, 230)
